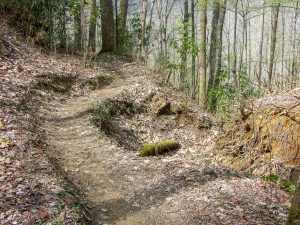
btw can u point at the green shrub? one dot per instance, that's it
(101, 115)
(159, 148)
(222, 95)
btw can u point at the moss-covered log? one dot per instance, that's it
(159, 148)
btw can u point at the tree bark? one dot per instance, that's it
(202, 51)
(78, 28)
(294, 212)
(148, 32)
(234, 64)
(273, 37)
(219, 49)
(194, 43)
(92, 27)
(261, 46)
(122, 20)
(143, 25)
(108, 27)
(183, 65)
(294, 61)
(213, 43)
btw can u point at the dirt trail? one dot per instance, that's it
(124, 188)
(118, 182)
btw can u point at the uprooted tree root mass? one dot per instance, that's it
(268, 140)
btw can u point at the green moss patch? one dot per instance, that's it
(159, 148)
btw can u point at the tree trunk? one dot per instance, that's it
(194, 43)
(294, 212)
(282, 47)
(92, 28)
(261, 46)
(161, 26)
(219, 49)
(234, 64)
(63, 38)
(108, 27)
(183, 65)
(143, 25)
(294, 61)
(273, 37)
(148, 32)
(219, 42)
(202, 51)
(213, 43)
(78, 28)
(122, 19)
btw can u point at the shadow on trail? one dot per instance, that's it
(157, 193)
(65, 119)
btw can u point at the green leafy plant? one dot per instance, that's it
(282, 183)
(221, 97)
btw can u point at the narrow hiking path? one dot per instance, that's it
(127, 189)
(117, 182)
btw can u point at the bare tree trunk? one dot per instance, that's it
(116, 23)
(148, 32)
(234, 66)
(273, 37)
(213, 43)
(294, 213)
(282, 48)
(261, 46)
(122, 20)
(242, 48)
(249, 51)
(64, 41)
(219, 49)
(78, 28)
(92, 28)
(294, 61)
(143, 25)
(183, 65)
(220, 39)
(161, 26)
(194, 42)
(108, 27)
(202, 50)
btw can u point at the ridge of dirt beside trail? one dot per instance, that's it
(174, 189)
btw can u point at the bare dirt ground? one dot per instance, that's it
(181, 188)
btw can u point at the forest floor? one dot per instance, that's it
(56, 165)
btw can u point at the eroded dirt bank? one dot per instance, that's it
(185, 187)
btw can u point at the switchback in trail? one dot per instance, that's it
(184, 187)
(55, 161)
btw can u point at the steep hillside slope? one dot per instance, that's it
(58, 167)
